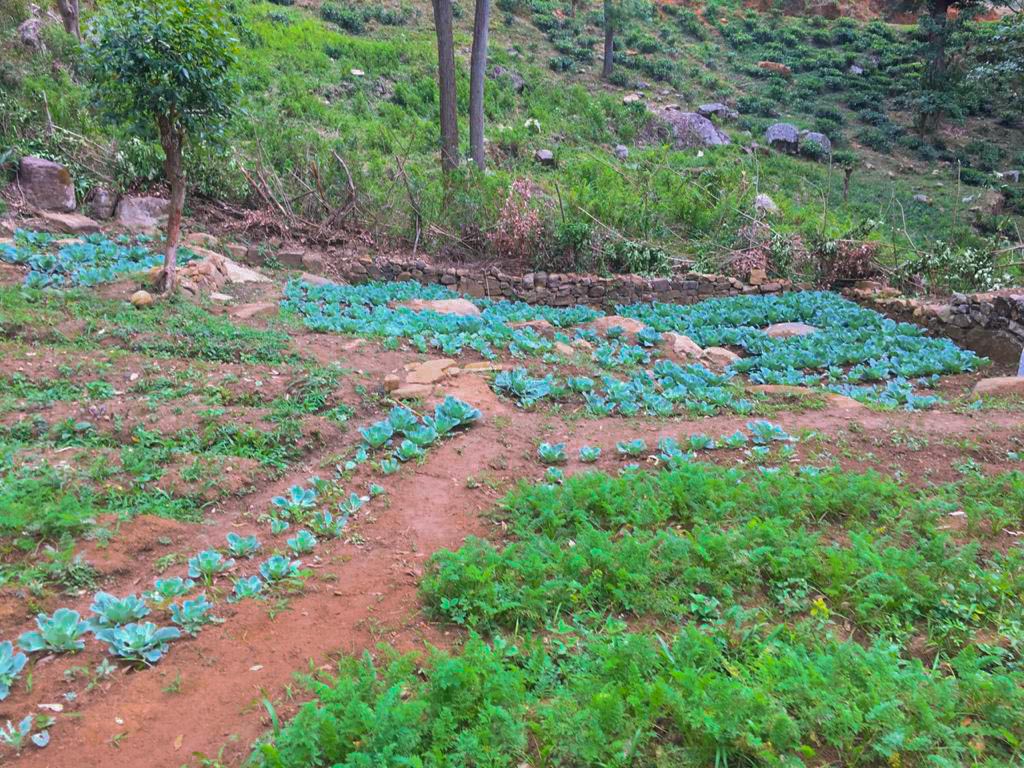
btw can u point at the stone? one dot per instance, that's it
(855, 70)
(429, 371)
(775, 68)
(632, 98)
(462, 307)
(222, 297)
(815, 144)
(564, 349)
(202, 239)
(313, 262)
(515, 80)
(46, 185)
(541, 327)
(757, 277)
(764, 204)
(100, 203)
(412, 391)
(784, 137)
(630, 326)
(141, 299)
(306, 277)
(1013, 177)
(1000, 386)
(684, 130)
(717, 109)
(292, 257)
(70, 223)
(392, 382)
(142, 214)
(256, 309)
(621, 151)
(719, 357)
(681, 347)
(789, 330)
(236, 273)
(237, 251)
(545, 157)
(28, 33)
(923, 199)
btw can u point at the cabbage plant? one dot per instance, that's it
(111, 611)
(549, 453)
(242, 546)
(140, 643)
(62, 633)
(302, 543)
(166, 591)
(11, 664)
(192, 615)
(589, 454)
(208, 564)
(278, 567)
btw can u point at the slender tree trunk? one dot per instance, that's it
(572, 9)
(446, 85)
(935, 74)
(477, 80)
(173, 141)
(609, 40)
(69, 15)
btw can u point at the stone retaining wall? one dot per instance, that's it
(557, 289)
(991, 324)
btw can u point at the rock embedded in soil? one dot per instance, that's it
(142, 299)
(254, 310)
(101, 203)
(392, 382)
(680, 347)
(1000, 386)
(429, 371)
(201, 240)
(784, 137)
(789, 330)
(462, 307)
(70, 223)
(719, 357)
(685, 130)
(629, 326)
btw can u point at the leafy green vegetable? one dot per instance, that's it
(192, 615)
(302, 543)
(62, 633)
(110, 611)
(589, 454)
(208, 564)
(279, 567)
(242, 546)
(552, 454)
(11, 664)
(141, 643)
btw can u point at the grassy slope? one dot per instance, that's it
(302, 104)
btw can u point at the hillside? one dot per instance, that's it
(345, 92)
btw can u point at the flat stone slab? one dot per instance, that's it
(429, 371)
(719, 357)
(71, 223)
(256, 309)
(789, 330)
(627, 324)
(462, 307)
(1000, 386)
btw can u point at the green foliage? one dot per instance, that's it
(166, 60)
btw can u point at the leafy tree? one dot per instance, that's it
(446, 84)
(994, 61)
(168, 65)
(616, 12)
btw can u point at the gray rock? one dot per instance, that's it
(544, 157)
(621, 151)
(28, 33)
(764, 204)
(46, 184)
(717, 109)
(687, 130)
(783, 136)
(822, 141)
(922, 199)
(70, 223)
(1012, 177)
(101, 203)
(855, 70)
(514, 79)
(142, 214)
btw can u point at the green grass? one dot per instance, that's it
(702, 617)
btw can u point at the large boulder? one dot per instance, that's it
(1000, 386)
(29, 33)
(683, 130)
(142, 214)
(783, 136)
(815, 144)
(717, 109)
(789, 330)
(46, 184)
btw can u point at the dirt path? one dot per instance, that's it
(208, 693)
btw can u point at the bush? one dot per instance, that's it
(348, 18)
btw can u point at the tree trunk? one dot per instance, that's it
(477, 80)
(172, 139)
(446, 85)
(69, 14)
(936, 65)
(609, 40)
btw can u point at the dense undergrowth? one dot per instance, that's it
(357, 83)
(703, 616)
